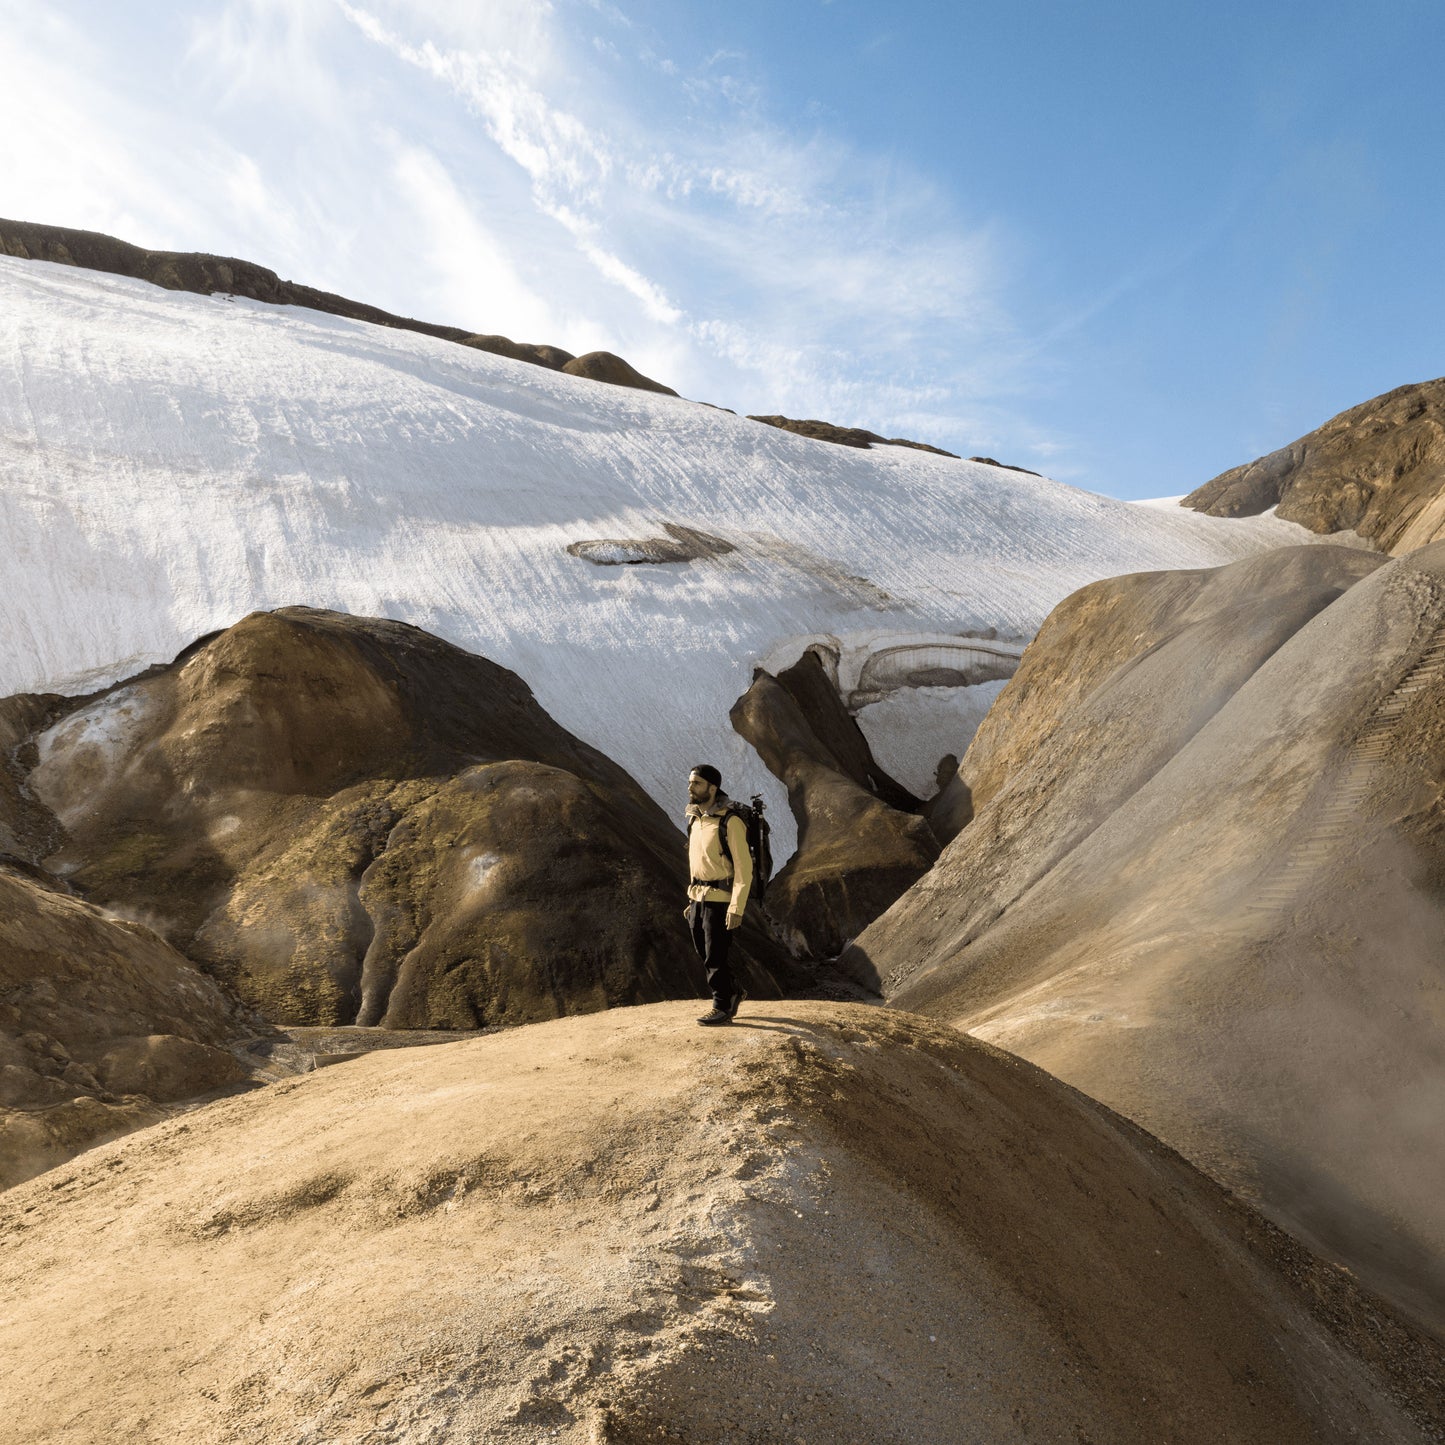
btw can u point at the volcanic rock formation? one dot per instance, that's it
(1204, 885)
(1377, 469)
(604, 366)
(347, 819)
(860, 841)
(100, 1024)
(1211, 626)
(839, 1224)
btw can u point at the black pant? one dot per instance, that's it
(712, 938)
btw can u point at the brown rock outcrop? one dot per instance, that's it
(680, 544)
(1007, 466)
(1377, 469)
(208, 275)
(1204, 885)
(847, 1225)
(1189, 638)
(100, 1021)
(348, 818)
(604, 366)
(845, 436)
(860, 841)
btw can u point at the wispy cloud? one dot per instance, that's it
(473, 274)
(547, 170)
(792, 262)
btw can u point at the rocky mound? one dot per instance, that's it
(101, 1024)
(226, 275)
(837, 1223)
(860, 839)
(349, 820)
(848, 436)
(604, 366)
(1205, 886)
(1377, 469)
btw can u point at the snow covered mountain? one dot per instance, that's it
(170, 462)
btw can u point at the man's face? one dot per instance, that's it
(698, 788)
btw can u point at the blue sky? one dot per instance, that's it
(1125, 244)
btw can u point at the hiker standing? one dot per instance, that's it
(721, 872)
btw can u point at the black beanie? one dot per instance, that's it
(710, 773)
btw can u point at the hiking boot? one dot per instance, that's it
(735, 1003)
(717, 1016)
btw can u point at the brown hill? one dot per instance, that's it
(207, 275)
(837, 1223)
(1377, 469)
(349, 820)
(1204, 886)
(101, 1024)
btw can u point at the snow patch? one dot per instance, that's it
(82, 753)
(480, 869)
(910, 730)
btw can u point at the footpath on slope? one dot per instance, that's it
(828, 1223)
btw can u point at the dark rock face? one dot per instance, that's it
(1206, 885)
(845, 436)
(85, 1001)
(207, 275)
(604, 366)
(346, 817)
(1377, 469)
(857, 847)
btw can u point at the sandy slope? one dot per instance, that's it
(834, 1224)
(1206, 888)
(170, 462)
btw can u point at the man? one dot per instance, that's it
(718, 891)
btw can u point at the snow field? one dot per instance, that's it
(171, 462)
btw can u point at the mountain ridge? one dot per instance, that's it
(1377, 469)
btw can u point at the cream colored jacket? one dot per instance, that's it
(705, 856)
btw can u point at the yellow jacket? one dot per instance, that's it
(705, 856)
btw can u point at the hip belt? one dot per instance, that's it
(711, 883)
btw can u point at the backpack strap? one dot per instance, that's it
(731, 811)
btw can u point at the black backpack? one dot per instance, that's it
(759, 846)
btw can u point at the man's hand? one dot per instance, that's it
(735, 920)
